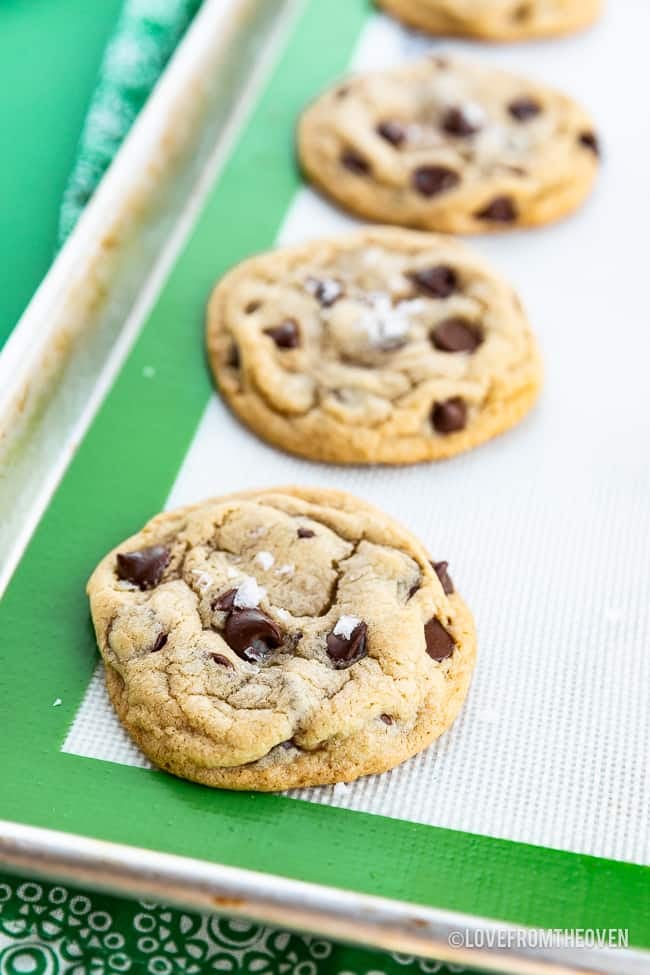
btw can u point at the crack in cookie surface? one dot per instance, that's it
(450, 145)
(418, 350)
(228, 657)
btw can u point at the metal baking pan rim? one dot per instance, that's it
(270, 899)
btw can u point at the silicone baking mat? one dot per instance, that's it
(534, 807)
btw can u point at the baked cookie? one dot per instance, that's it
(380, 346)
(495, 20)
(444, 144)
(280, 638)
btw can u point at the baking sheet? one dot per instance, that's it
(546, 529)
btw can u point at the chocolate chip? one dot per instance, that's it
(590, 141)
(305, 533)
(143, 568)
(225, 601)
(393, 132)
(449, 415)
(233, 356)
(501, 210)
(251, 634)
(285, 335)
(355, 163)
(432, 180)
(437, 282)
(252, 306)
(456, 121)
(222, 661)
(412, 591)
(161, 640)
(289, 743)
(325, 292)
(386, 718)
(344, 652)
(524, 108)
(440, 569)
(440, 643)
(522, 13)
(456, 335)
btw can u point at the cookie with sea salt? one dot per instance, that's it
(379, 346)
(450, 145)
(495, 20)
(280, 638)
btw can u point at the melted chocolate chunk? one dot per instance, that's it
(436, 282)
(440, 643)
(590, 141)
(226, 600)
(343, 652)
(305, 533)
(326, 292)
(501, 210)
(393, 132)
(433, 180)
(285, 335)
(456, 121)
(386, 718)
(222, 661)
(524, 108)
(449, 415)
(456, 335)
(144, 568)
(251, 634)
(355, 163)
(440, 569)
(161, 640)
(412, 591)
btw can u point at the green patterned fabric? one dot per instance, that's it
(49, 929)
(145, 38)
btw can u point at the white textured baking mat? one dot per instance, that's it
(547, 529)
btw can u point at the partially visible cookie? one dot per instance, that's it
(444, 144)
(495, 20)
(379, 346)
(280, 638)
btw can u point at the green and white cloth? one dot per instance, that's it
(49, 929)
(145, 38)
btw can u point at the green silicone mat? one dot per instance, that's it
(121, 474)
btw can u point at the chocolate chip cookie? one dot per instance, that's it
(495, 20)
(379, 346)
(280, 638)
(444, 144)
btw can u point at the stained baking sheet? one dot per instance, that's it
(534, 807)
